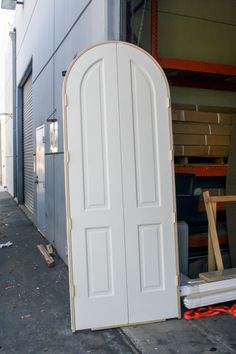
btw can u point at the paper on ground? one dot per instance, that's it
(7, 244)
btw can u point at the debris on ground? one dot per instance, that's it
(210, 311)
(46, 256)
(50, 249)
(7, 244)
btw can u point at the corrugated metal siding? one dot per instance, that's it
(28, 146)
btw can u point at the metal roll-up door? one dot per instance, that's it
(28, 146)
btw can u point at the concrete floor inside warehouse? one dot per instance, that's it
(34, 307)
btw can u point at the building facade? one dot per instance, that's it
(45, 38)
(48, 35)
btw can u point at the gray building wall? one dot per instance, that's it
(49, 35)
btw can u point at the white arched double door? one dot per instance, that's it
(119, 188)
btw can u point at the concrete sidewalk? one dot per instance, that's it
(34, 308)
(34, 299)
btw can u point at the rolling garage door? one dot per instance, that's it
(28, 146)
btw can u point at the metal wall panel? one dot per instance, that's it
(50, 40)
(59, 207)
(28, 146)
(50, 198)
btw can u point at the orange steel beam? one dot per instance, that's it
(201, 207)
(196, 66)
(201, 240)
(203, 171)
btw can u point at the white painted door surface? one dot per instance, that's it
(40, 178)
(96, 210)
(147, 187)
(121, 238)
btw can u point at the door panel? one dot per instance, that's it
(145, 139)
(94, 178)
(94, 146)
(147, 187)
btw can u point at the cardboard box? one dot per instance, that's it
(218, 140)
(196, 128)
(189, 139)
(190, 128)
(202, 117)
(201, 151)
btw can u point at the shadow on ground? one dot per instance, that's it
(34, 308)
(34, 299)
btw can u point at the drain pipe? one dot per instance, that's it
(13, 38)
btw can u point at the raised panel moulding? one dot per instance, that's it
(94, 119)
(99, 262)
(145, 137)
(150, 257)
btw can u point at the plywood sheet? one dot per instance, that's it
(219, 275)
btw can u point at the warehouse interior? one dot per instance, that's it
(193, 41)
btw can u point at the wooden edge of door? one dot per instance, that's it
(68, 214)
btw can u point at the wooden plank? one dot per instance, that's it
(127, 325)
(211, 256)
(222, 198)
(198, 286)
(214, 191)
(213, 232)
(219, 275)
(49, 248)
(46, 256)
(210, 298)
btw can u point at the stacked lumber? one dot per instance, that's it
(199, 292)
(214, 286)
(201, 134)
